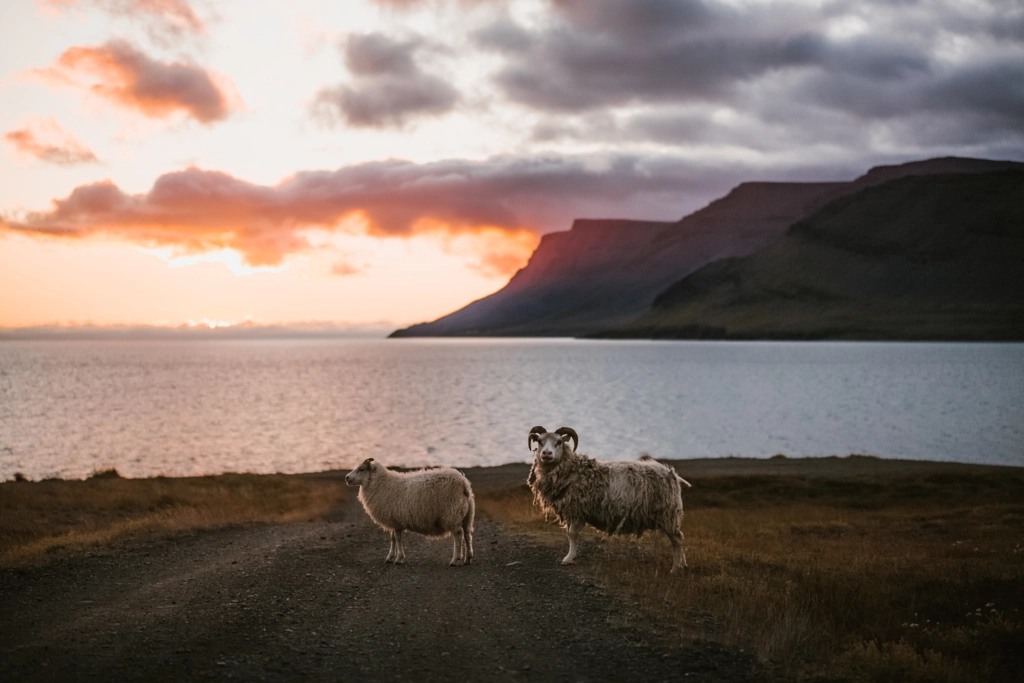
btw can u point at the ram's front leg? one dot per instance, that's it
(573, 532)
(678, 551)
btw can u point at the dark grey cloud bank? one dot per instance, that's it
(389, 88)
(911, 74)
(779, 83)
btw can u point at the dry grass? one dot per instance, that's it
(867, 579)
(37, 518)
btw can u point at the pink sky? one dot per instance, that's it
(370, 161)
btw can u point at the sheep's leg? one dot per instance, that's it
(458, 552)
(467, 529)
(399, 548)
(573, 532)
(393, 550)
(678, 552)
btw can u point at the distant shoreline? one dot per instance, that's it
(284, 333)
(198, 332)
(381, 332)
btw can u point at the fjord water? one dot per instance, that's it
(70, 408)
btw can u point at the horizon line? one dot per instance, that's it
(200, 330)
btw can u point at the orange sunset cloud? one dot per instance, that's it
(500, 201)
(44, 140)
(196, 210)
(173, 17)
(122, 74)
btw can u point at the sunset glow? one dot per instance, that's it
(167, 161)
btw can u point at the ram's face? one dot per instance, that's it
(361, 474)
(551, 448)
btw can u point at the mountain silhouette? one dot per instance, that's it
(602, 277)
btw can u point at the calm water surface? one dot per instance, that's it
(68, 408)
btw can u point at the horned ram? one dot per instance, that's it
(616, 497)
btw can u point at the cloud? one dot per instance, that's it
(122, 74)
(345, 268)
(165, 19)
(904, 69)
(374, 54)
(603, 53)
(389, 90)
(196, 210)
(45, 140)
(412, 4)
(493, 253)
(504, 35)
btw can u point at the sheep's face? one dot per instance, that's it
(551, 448)
(361, 475)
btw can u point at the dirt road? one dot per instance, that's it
(315, 601)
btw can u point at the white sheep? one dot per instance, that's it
(617, 497)
(434, 502)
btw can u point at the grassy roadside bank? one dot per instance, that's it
(845, 571)
(45, 517)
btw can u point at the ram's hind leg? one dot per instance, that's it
(393, 549)
(458, 551)
(678, 552)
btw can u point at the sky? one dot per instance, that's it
(384, 162)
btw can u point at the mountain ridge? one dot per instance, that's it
(913, 258)
(602, 274)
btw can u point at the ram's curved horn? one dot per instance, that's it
(571, 433)
(532, 437)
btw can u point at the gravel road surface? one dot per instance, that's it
(315, 602)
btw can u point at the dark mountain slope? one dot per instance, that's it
(939, 257)
(605, 273)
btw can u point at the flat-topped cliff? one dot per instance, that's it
(606, 274)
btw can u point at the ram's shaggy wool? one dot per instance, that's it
(620, 497)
